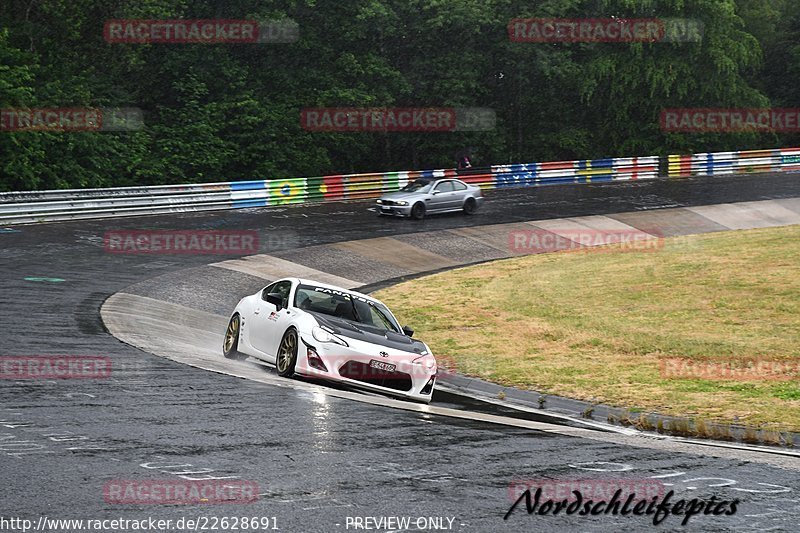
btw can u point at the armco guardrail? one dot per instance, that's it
(45, 206)
(56, 205)
(743, 162)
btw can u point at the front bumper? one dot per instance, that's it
(356, 368)
(397, 210)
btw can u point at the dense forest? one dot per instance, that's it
(232, 111)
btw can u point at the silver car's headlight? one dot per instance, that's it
(403, 202)
(323, 335)
(379, 201)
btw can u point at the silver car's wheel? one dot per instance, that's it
(231, 343)
(418, 211)
(287, 354)
(470, 206)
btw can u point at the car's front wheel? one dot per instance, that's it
(287, 354)
(470, 206)
(231, 343)
(418, 211)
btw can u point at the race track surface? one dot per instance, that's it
(316, 458)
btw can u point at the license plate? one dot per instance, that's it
(384, 208)
(380, 365)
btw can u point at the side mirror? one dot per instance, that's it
(436, 192)
(275, 299)
(408, 331)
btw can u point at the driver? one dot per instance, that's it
(305, 302)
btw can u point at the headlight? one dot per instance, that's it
(427, 361)
(402, 203)
(323, 335)
(378, 201)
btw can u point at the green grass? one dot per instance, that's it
(593, 326)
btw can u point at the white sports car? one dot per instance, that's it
(322, 331)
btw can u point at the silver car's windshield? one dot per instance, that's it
(418, 186)
(342, 304)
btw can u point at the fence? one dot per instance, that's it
(742, 162)
(57, 205)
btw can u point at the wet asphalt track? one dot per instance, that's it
(316, 459)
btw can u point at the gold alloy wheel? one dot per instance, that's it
(232, 334)
(286, 352)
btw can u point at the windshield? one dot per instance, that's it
(347, 306)
(420, 185)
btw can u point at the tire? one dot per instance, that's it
(230, 343)
(418, 211)
(470, 206)
(286, 358)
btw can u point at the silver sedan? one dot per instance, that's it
(431, 195)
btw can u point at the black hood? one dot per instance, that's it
(363, 332)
